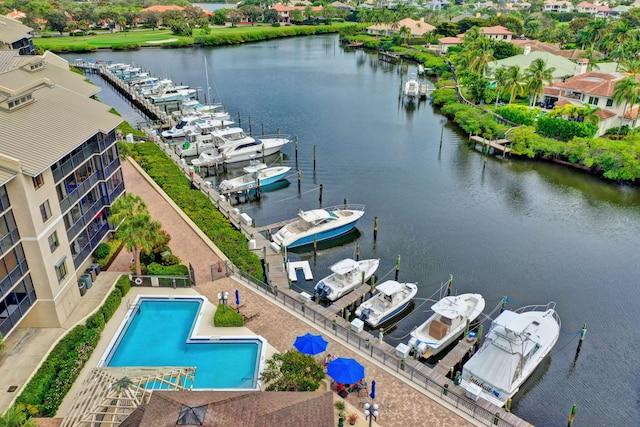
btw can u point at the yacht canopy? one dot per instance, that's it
(344, 266)
(450, 307)
(390, 287)
(314, 215)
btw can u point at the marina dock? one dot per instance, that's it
(277, 286)
(498, 144)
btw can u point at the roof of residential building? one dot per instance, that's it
(417, 27)
(240, 408)
(495, 30)
(450, 40)
(162, 8)
(12, 30)
(563, 67)
(282, 8)
(60, 117)
(593, 83)
(537, 45)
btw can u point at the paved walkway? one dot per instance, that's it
(400, 404)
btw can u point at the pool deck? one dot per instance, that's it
(400, 403)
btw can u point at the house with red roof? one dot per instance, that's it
(497, 32)
(284, 12)
(594, 89)
(417, 28)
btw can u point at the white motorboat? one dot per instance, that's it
(412, 88)
(192, 107)
(254, 166)
(260, 178)
(172, 93)
(346, 275)
(514, 346)
(194, 124)
(318, 225)
(194, 144)
(234, 145)
(391, 299)
(446, 324)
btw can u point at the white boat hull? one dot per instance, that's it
(264, 177)
(442, 328)
(511, 352)
(340, 283)
(383, 306)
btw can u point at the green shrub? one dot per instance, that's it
(519, 114)
(113, 248)
(558, 127)
(101, 251)
(225, 317)
(96, 321)
(275, 24)
(124, 285)
(444, 96)
(155, 269)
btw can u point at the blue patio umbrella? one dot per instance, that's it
(345, 370)
(310, 344)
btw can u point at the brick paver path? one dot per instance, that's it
(400, 404)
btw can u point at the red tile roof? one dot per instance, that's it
(606, 114)
(592, 83)
(450, 40)
(162, 8)
(495, 30)
(632, 114)
(282, 8)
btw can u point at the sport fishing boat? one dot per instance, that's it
(262, 178)
(391, 299)
(346, 275)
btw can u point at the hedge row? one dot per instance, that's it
(271, 33)
(227, 317)
(197, 206)
(156, 269)
(48, 387)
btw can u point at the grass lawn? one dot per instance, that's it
(139, 37)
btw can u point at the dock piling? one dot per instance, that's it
(320, 196)
(299, 179)
(450, 284)
(397, 267)
(296, 150)
(358, 254)
(375, 228)
(572, 415)
(314, 158)
(583, 332)
(249, 118)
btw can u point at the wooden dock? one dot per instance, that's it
(349, 299)
(455, 357)
(293, 268)
(497, 145)
(388, 56)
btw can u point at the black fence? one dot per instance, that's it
(161, 281)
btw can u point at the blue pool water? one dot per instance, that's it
(160, 333)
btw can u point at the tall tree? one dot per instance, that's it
(626, 90)
(513, 82)
(57, 20)
(292, 371)
(537, 75)
(14, 417)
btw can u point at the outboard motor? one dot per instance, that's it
(322, 290)
(365, 314)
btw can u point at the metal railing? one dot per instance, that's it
(368, 345)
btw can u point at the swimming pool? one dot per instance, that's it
(161, 331)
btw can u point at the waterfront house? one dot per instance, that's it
(536, 45)
(417, 28)
(445, 42)
(284, 12)
(15, 36)
(559, 6)
(497, 32)
(563, 67)
(594, 89)
(59, 174)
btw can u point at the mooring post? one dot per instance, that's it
(299, 179)
(314, 158)
(315, 244)
(381, 336)
(373, 283)
(375, 228)
(504, 302)
(296, 150)
(466, 328)
(572, 415)
(278, 130)
(507, 405)
(320, 197)
(358, 253)
(583, 332)
(362, 278)
(249, 118)
(281, 159)
(263, 152)
(450, 285)
(346, 202)
(479, 336)
(441, 135)
(262, 129)
(397, 267)
(239, 120)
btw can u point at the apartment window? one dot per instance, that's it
(54, 242)
(593, 100)
(609, 102)
(45, 211)
(38, 181)
(61, 269)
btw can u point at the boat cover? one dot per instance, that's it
(494, 367)
(344, 266)
(390, 287)
(450, 307)
(314, 215)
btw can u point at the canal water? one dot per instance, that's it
(531, 231)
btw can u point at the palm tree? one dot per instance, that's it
(589, 114)
(14, 417)
(626, 90)
(126, 207)
(499, 77)
(631, 66)
(139, 234)
(482, 51)
(513, 82)
(405, 33)
(537, 74)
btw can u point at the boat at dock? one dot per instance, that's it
(194, 124)
(513, 348)
(412, 88)
(260, 178)
(318, 225)
(234, 145)
(446, 324)
(391, 299)
(346, 275)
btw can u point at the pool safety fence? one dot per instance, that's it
(161, 281)
(363, 341)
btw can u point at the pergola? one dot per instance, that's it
(109, 395)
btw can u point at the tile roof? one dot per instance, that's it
(606, 114)
(592, 83)
(162, 8)
(632, 114)
(282, 8)
(537, 45)
(450, 40)
(417, 27)
(240, 408)
(496, 29)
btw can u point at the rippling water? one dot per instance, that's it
(532, 231)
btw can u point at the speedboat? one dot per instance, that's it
(446, 324)
(210, 111)
(391, 299)
(514, 346)
(318, 225)
(196, 124)
(234, 145)
(260, 178)
(412, 88)
(172, 93)
(346, 275)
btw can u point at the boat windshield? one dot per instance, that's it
(181, 124)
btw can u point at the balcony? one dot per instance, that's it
(86, 218)
(99, 232)
(78, 192)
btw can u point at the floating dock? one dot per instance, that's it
(293, 268)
